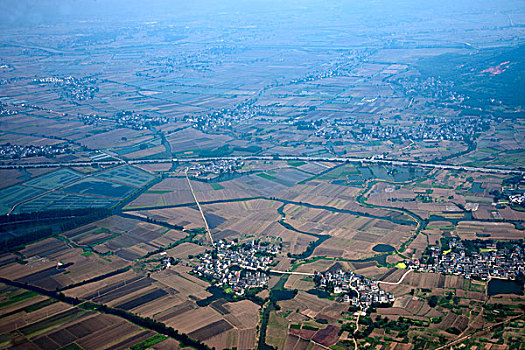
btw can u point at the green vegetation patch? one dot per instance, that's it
(216, 186)
(340, 173)
(158, 338)
(266, 176)
(401, 265)
(295, 163)
(310, 328)
(13, 299)
(472, 77)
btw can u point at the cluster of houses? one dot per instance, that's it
(5, 112)
(216, 167)
(313, 76)
(483, 263)
(429, 129)
(358, 290)
(90, 119)
(225, 118)
(138, 121)
(125, 119)
(517, 198)
(429, 87)
(75, 88)
(9, 151)
(238, 266)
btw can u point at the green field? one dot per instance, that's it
(266, 176)
(216, 186)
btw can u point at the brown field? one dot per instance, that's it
(12, 177)
(247, 339)
(243, 314)
(155, 167)
(182, 251)
(179, 279)
(384, 194)
(43, 258)
(195, 319)
(191, 139)
(496, 230)
(299, 282)
(127, 238)
(305, 301)
(188, 217)
(352, 237)
(115, 138)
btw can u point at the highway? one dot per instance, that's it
(370, 160)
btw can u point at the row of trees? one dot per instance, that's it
(24, 228)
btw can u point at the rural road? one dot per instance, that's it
(400, 280)
(292, 273)
(200, 209)
(457, 341)
(371, 160)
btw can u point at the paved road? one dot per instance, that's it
(371, 160)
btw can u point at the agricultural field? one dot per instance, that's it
(137, 141)
(69, 189)
(37, 322)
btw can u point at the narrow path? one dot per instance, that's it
(357, 320)
(457, 341)
(200, 209)
(292, 273)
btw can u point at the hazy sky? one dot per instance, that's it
(13, 12)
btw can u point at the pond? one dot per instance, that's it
(383, 248)
(279, 295)
(217, 293)
(500, 286)
(319, 293)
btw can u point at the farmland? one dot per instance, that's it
(136, 141)
(344, 214)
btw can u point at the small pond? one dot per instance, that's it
(499, 286)
(383, 248)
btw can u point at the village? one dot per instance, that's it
(351, 288)
(125, 119)
(440, 128)
(237, 266)
(216, 167)
(79, 89)
(10, 151)
(474, 260)
(225, 118)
